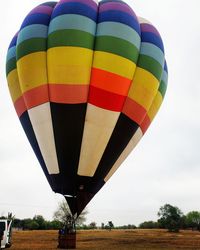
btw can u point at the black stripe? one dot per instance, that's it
(28, 129)
(86, 186)
(68, 123)
(122, 134)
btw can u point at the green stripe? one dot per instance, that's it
(151, 65)
(30, 46)
(70, 37)
(163, 88)
(117, 46)
(11, 65)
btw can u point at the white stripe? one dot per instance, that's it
(131, 145)
(143, 20)
(99, 125)
(96, 1)
(40, 117)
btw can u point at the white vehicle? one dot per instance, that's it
(5, 233)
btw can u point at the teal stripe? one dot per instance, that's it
(165, 76)
(75, 38)
(30, 46)
(72, 21)
(32, 31)
(117, 46)
(149, 49)
(11, 53)
(119, 30)
(11, 65)
(151, 65)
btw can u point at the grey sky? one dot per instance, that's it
(164, 167)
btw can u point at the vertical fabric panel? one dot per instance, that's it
(70, 53)
(32, 71)
(21, 109)
(109, 85)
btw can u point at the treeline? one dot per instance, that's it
(169, 217)
(37, 223)
(173, 219)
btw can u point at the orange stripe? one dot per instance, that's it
(110, 82)
(134, 111)
(145, 124)
(68, 94)
(20, 106)
(36, 96)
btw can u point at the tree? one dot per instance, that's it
(39, 219)
(29, 224)
(93, 225)
(193, 220)
(110, 225)
(63, 213)
(55, 224)
(129, 226)
(170, 218)
(149, 225)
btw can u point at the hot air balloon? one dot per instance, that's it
(86, 80)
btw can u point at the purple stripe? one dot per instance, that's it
(90, 3)
(42, 9)
(145, 27)
(117, 6)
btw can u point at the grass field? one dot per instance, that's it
(106, 240)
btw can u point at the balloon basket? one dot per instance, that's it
(67, 241)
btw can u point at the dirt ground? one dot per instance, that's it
(106, 240)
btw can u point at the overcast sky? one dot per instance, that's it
(164, 167)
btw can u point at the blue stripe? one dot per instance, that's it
(148, 37)
(37, 18)
(149, 49)
(11, 53)
(165, 67)
(72, 21)
(75, 8)
(121, 17)
(32, 31)
(119, 30)
(13, 42)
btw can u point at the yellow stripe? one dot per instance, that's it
(143, 88)
(115, 64)
(14, 86)
(32, 71)
(155, 106)
(69, 65)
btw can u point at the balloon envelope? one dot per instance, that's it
(86, 80)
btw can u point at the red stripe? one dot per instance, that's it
(20, 106)
(36, 96)
(68, 94)
(110, 82)
(106, 100)
(134, 111)
(145, 124)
